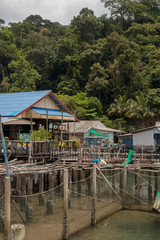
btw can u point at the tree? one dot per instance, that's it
(97, 83)
(86, 25)
(85, 108)
(139, 109)
(1, 22)
(119, 107)
(22, 76)
(68, 86)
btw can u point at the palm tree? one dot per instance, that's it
(139, 109)
(118, 107)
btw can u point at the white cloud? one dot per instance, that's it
(62, 11)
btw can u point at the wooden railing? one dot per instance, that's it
(67, 152)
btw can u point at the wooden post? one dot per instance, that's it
(74, 126)
(65, 224)
(79, 182)
(7, 210)
(68, 130)
(41, 189)
(31, 140)
(51, 184)
(47, 123)
(69, 186)
(51, 194)
(138, 183)
(99, 185)
(88, 180)
(4, 148)
(23, 193)
(93, 208)
(149, 188)
(121, 184)
(124, 185)
(61, 129)
(29, 187)
(155, 184)
(113, 182)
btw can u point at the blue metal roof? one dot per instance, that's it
(12, 104)
(53, 112)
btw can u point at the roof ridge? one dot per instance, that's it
(26, 92)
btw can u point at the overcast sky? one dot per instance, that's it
(62, 11)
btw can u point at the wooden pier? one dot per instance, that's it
(54, 176)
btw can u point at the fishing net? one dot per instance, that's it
(108, 193)
(41, 212)
(79, 202)
(142, 187)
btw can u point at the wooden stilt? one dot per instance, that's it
(79, 183)
(69, 187)
(149, 188)
(41, 189)
(7, 209)
(65, 224)
(138, 183)
(51, 194)
(113, 182)
(124, 185)
(155, 184)
(23, 193)
(121, 184)
(93, 208)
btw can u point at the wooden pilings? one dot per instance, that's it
(50, 194)
(23, 193)
(41, 189)
(155, 184)
(7, 209)
(149, 188)
(93, 207)
(124, 185)
(65, 222)
(137, 184)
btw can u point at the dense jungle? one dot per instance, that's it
(102, 68)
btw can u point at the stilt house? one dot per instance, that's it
(21, 110)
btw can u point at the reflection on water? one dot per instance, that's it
(125, 225)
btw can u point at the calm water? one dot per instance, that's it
(125, 225)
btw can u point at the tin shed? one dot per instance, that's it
(147, 137)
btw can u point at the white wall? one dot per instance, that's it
(145, 138)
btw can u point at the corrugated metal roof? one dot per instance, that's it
(11, 104)
(83, 126)
(42, 111)
(6, 119)
(15, 121)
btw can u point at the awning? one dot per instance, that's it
(53, 112)
(15, 121)
(93, 131)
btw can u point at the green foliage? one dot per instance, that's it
(22, 77)
(96, 65)
(82, 106)
(76, 143)
(97, 82)
(41, 134)
(86, 25)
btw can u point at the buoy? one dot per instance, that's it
(156, 206)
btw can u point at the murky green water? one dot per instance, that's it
(125, 225)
